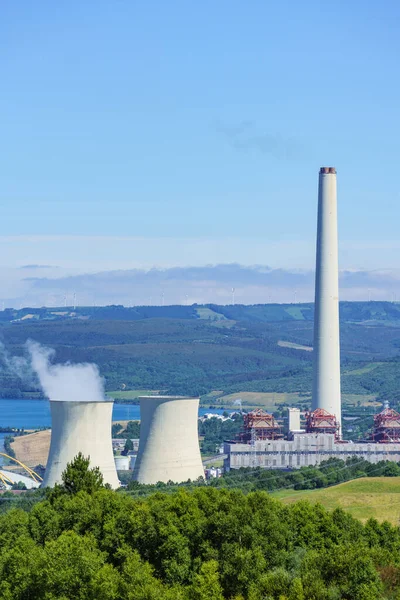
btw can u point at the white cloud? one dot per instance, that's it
(180, 285)
(114, 257)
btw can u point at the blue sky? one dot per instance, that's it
(150, 132)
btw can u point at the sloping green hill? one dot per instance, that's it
(377, 497)
(260, 349)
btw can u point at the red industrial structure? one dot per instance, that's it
(259, 425)
(387, 426)
(320, 421)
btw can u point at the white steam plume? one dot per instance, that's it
(72, 382)
(14, 365)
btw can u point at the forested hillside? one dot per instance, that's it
(263, 348)
(206, 544)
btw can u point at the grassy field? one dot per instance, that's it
(32, 449)
(131, 394)
(295, 312)
(249, 399)
(363, 370)
(267, 400)
(270, 400)
(284, 344)
(364, 399)
(377, 497)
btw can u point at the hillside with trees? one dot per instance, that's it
(194, 350)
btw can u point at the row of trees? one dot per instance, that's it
(215, 431)
(328, 473)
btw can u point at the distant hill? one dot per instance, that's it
(356, 312)
(198, 349)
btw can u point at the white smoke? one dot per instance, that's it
(15, 365)
(65, 381)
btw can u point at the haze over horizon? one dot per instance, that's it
(41, 285)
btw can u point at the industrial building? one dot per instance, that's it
(118, 444)
(261, 443)
(169, 443)
(122, 463)
(80, 427)
(316, 443)
(304, 450)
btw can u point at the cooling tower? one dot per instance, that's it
(169, 442)
(80, 427)
(326, 370)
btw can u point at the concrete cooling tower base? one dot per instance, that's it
(80, 427)
(169, 442)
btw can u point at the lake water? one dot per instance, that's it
(33, 414)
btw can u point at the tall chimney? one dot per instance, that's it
(326, 371)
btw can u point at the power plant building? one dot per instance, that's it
(169, 443)
(303, 450)
(80, 427)
(309, 447)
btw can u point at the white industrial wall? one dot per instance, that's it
(326, 352)
(80, 427)
(294, 419)
(169, 443)
(304, 450)
(122, 462)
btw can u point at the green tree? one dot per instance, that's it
(79, 477)
(18, 485)
(8, 440)
(69, 567)
(391, 470)
(128, 447)
(296, 590)
(206, 585)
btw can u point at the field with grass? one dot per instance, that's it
(32, 449)
(131, 394)
(377, 497)
(284, 344)
(267, 400)
(272, 400)
(363, 399)
(363, 370)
